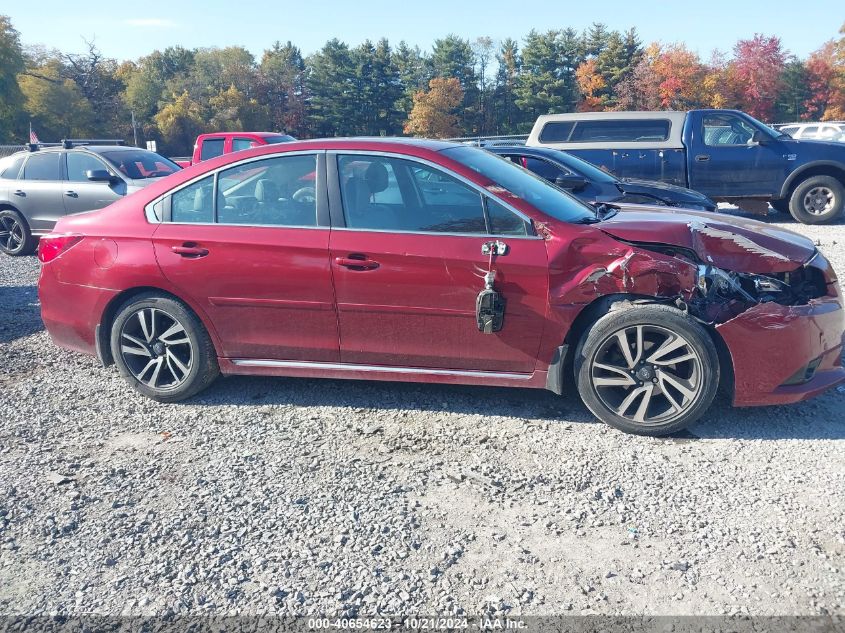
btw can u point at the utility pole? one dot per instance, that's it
(134, 129)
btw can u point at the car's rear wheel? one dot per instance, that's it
(162, 349)
(15, 236)
(650, 369)
(817, 200)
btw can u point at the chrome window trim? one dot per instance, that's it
(478, 188)
(150, 215)
(387, 369)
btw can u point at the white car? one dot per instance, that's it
(827, 131)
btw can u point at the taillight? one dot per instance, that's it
(51, 246)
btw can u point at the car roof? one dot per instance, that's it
(426, 143)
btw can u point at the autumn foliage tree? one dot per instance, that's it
(590, 82)
(757, 68)
(434, 110)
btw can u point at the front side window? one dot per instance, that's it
(79, 163)
(42, 167)
(194, 204)
(211, 148)
(727, 129)
(393, 194)
(543, 168)
(279, 191)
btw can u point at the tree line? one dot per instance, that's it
(459, 87)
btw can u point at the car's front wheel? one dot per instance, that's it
(15, 236)
(162, 349)
(647, 369)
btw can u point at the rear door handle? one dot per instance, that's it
(356, 261)
(702, 158)
(189, 250)
(20, 193)
(71, 194)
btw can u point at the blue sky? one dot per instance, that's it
(127, 30)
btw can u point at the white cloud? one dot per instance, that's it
(161, 23)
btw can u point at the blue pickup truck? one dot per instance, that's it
(724, 154)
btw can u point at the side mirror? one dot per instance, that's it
(760, 138)
(571, 182)
(100, 175)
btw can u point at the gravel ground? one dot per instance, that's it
(289, 496)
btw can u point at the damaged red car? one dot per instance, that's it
(396, 259)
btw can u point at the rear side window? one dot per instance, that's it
(11, 167)
(42, 167)
(279, 191)
(211, 147)
(556, 131)
(195, 203)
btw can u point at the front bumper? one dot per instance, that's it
(770, 343)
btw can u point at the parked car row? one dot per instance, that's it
(38, 187)
(824, 131)
(413, 260)
(726, 155)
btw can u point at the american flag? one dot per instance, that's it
(33, 137)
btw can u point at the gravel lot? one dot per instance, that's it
(288, 496)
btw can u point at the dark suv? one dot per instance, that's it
(39, 186)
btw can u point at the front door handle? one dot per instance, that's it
(71, 194)
(702, 158)
(356, 261)
(20, 193)
(190, 250)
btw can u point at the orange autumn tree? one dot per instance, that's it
(680, 72)
(590, 82)
(433, 114)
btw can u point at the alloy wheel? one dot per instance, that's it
(156, 348)
(647, 374)
(11, 234)
(818, 200)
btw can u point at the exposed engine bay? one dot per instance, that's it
(720, 295)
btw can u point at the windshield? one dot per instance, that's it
(765, 128)
(583, 168)
(280, 138)
(536, 191)
(139, 164)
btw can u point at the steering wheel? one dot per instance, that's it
(305, 194)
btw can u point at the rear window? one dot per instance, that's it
(601, 130)
(11, 166)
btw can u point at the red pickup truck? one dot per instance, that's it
(217, 143)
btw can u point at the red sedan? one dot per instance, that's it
(395, 259)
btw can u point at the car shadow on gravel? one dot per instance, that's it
(20, 315)
(500, 402)
(823, 418)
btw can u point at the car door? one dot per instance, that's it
(248, 246)
(38, 191)
(408, 265)
(725, 161)
(79, 193)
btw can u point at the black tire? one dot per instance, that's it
(15, 237)
(817, 200)
(684, 388)
(191, 365)
(781, 206)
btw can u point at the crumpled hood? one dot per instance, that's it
(673, 193)
(731, 243)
